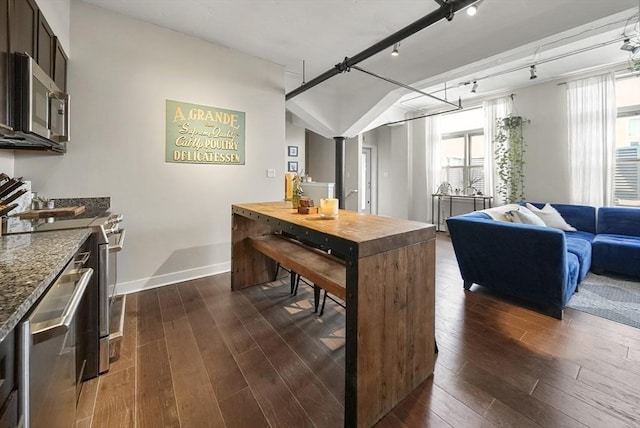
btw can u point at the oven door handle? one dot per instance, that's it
(50, 331)
(64, 111)
(118, 245)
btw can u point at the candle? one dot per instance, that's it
(328, 207)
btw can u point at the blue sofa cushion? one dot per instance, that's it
(572, 280)
(579, 244)
(616, 253)
(619, 221)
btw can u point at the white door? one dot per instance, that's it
(366, 183)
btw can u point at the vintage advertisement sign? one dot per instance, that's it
(203, 134)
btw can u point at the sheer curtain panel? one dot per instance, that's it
(591, 109)
(493, 110)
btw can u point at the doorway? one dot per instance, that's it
(367, 182)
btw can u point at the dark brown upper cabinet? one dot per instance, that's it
(23, 18)
(45, 45)
(60, 66)
(29, 32)
(4, 63)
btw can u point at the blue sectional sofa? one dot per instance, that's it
(540, 265)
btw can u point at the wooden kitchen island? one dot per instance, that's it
(390, 294)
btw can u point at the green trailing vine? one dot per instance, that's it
(510, 151)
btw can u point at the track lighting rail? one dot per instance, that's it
(445, 11)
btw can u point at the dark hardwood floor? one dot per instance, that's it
(197, 355)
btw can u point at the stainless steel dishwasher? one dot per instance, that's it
(49, 381)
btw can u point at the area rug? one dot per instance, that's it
(614, 298)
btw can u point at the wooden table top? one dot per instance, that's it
(372, 233)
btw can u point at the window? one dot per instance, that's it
(463, 150)
(627, 168)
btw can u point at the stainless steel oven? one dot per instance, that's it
(111, 306)
(51, 352)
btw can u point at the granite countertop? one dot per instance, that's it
(29, 263)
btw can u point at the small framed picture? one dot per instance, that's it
(292, 166)
(293, 151)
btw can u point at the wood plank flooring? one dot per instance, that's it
(195, 354)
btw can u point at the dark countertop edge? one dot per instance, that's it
(28, 302)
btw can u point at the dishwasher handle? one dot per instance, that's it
(118, 246)
(49, 331)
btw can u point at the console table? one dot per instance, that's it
(436, 199)
(390, 295)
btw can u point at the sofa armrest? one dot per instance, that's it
(525, 261)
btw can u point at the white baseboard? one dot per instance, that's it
(172, 278)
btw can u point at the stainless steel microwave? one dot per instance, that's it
(40, 111)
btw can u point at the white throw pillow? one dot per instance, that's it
(500, 213)
(512, 215)
(551, 217)
(527, 217)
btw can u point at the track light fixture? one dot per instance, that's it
(532, 70)
(473, 9)
(474, 88)
(395, 51)
(629, 46)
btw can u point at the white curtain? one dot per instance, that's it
(591, 109)
(432, 131)
(493, 110)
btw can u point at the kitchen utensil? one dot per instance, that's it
(10, 186)
(6, 185)
(7, 208)
(13, 197)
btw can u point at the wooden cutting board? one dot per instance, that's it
(53, 212)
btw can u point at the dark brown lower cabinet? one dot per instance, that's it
(8, 394)
(9, 415)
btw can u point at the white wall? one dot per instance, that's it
(177, 215)
(547, 153)
(393, 174)
(295, 136)
(420, 195)
(6, 162)
(321, 158)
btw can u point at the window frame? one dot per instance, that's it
(467, 136)
(626, 111)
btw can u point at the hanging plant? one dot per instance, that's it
(510, 150)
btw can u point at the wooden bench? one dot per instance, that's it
(325, 271)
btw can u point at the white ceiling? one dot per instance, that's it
(504, 35)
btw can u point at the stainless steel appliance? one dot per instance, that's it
(40, 117)
(51, 358)
(105, 310)
(110, 240)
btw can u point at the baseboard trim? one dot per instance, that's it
(172, 278)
